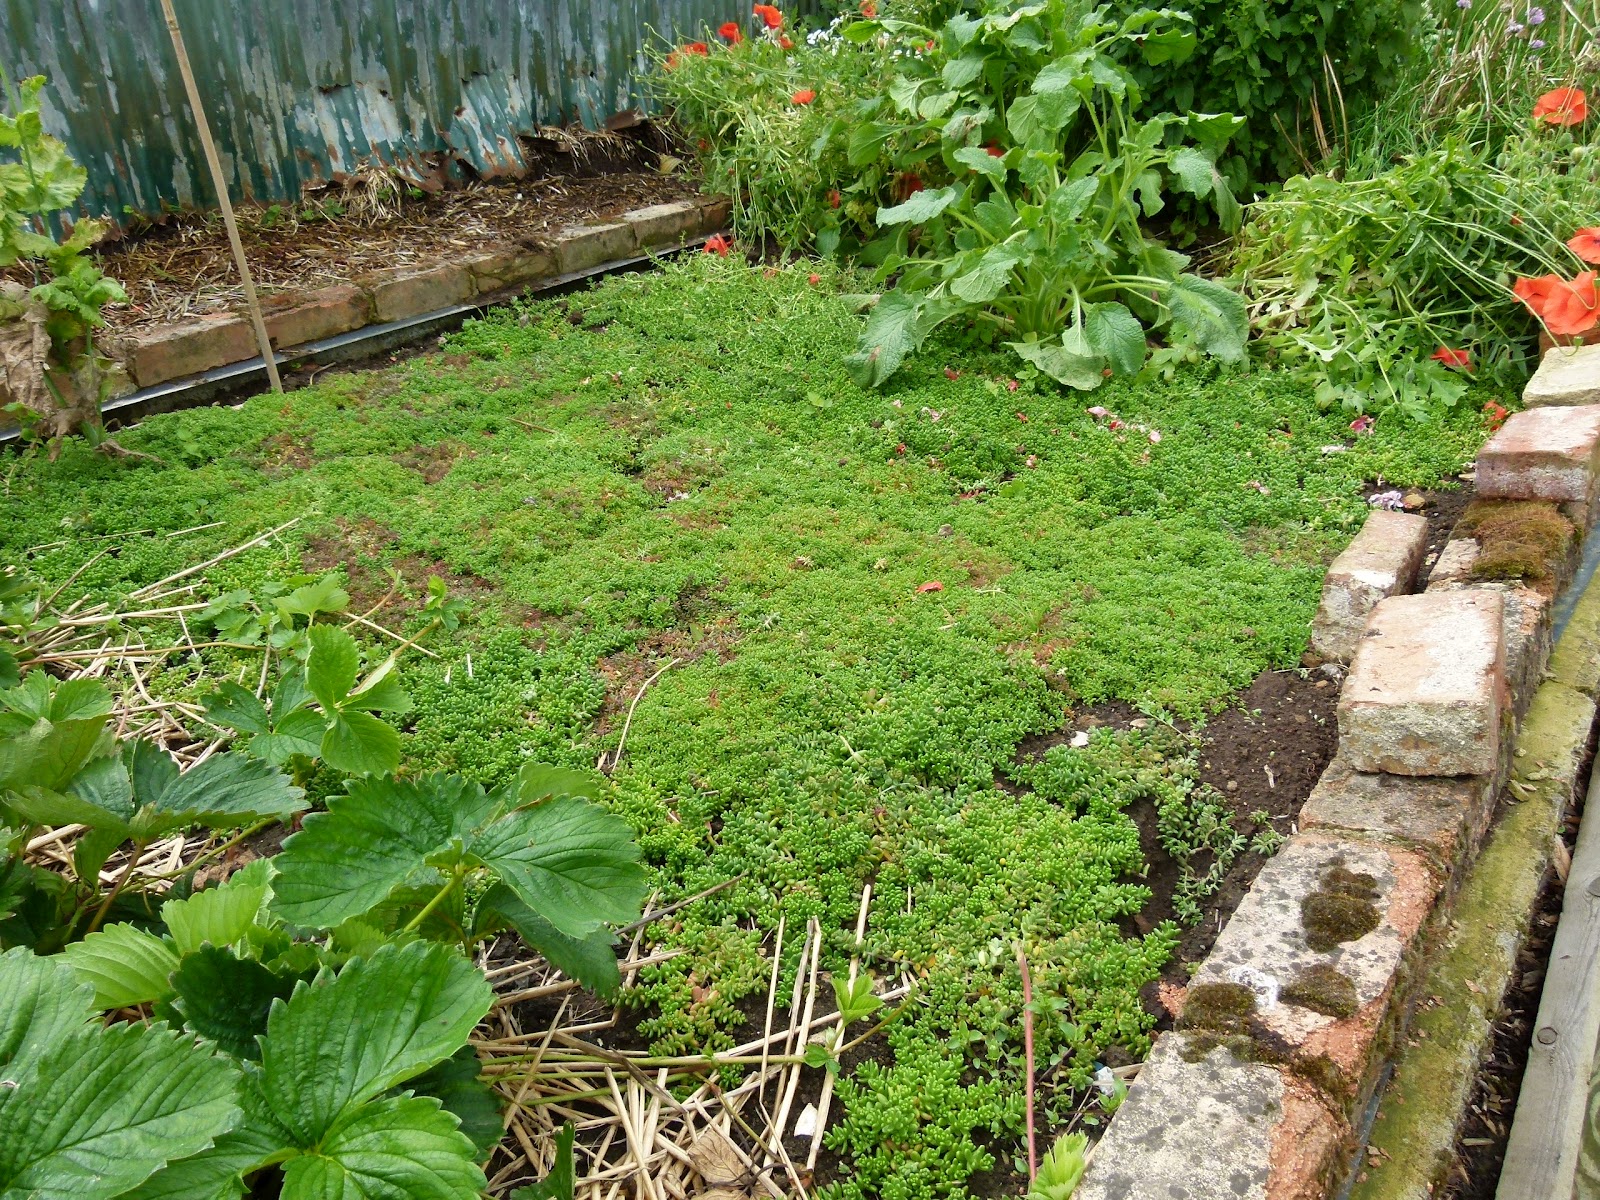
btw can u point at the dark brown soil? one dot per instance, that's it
(182, 265)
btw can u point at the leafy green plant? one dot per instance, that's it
(1037, 237)
(443, 857)
(60, 390)
(1062, 1168)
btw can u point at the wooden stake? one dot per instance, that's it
(221, 184)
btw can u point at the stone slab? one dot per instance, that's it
(665, 224)
(410, 291)
(1444, 815)
(177, 351)
(1566, 376)
(717, 212)
(580, 247)
(501, 268)
(295, 318)
(1215, 1129)
(1382, 561)
(1542, 454)
(1426, 688)
(1265, 945)
(1455, 563)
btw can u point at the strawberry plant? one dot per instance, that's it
(445, 858)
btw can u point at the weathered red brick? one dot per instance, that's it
(1542, 454)
(665, 224)
(412, 291)
(187, 348)
(1382, 561)
(294, 318)
(580, 247)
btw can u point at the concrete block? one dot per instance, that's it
(411, 291)
(580, 247)
(1566, 376)
(1445, 815)
(188, 348)
(664, 224)
(502, 268)
(1426, 689)
(1454, 567)
(294, 318)
(1214, 1129)
(1328, 918)
(1542, 454)
(1382, 561)
(716, 212)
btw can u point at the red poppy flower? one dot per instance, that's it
(716, 244)
(1585, 243)
(783, 40)
(672, 61)
(1566, 307)
(729, 32)
(907, 185)
(1495, 414)
(994, 150)
(770, 16)
(833, 198)
(869, 10)
(1452, 358)
(803, 96)
(697, 48)
(1563, 106)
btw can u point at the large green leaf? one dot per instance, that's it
(325, 595)
(214, 1173)
(106, 1108)
(1193, 169)
(1211, 314)
(124, 964)
(456, 1084)
(1114, 332)
(987, 274)
(1069, 366)
(332, 666)
(898, 324)
(591, 959)
(299, 732)
(539, 781)
(346, 861)
(402, 1148)
(42, 1003)
(227, 999)
(571, 861)
(221, 915)
(920, 206)
(342, 1040)
(143, 787)
(357, 743)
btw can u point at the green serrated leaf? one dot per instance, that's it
(358, 743)
(236, 707)
(921, 206)
(300, 732)
(325, 595)
(571, 861)
(401, 1147)
(1115, 333)
(591, 960)
(1211, 314)
(332, 666)
(457, 1084)
(215, 1173)
(345, 1039)
(221, 915)
(538, 781)
(124, 964)
(560, 1183)
(42, 1003)
(227, 998)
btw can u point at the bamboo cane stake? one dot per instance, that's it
(214, 164)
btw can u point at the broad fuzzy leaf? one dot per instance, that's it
(344, 862)
(590, 960)
(1211, 314)
(124, 964)
(897, 325)
(1193, 170)
(401, 1147)
(1076, 370)
(572, 862)
(106, 1108)
(344, 1039)
(1114, 332)
(921, 206)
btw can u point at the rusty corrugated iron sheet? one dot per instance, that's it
(300, 92)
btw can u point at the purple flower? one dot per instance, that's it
(1389, 500)
(1463, 3)
(1514, 27)
(1535, 43)
(1536, 16)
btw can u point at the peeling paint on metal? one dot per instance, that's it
(304, 91)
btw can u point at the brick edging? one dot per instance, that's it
(1297, 1015)
(185, 349)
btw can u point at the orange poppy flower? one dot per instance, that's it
(783, 40)
(869, 10)
(1452, 358)
(672, 61)
(1567, 308)
(803, 96)
(729, 32)
(697, 48)
(1562, 106)
(716, 244)
(1585, 243)
(770, 16)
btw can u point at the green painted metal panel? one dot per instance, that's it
(302, 91)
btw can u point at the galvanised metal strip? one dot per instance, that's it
(303, 91)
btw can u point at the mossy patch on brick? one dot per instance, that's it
(1340, 910)
(1324, 989)
(1518, 539)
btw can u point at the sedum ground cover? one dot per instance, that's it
(868, 600)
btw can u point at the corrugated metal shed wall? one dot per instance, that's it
(301, 90)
